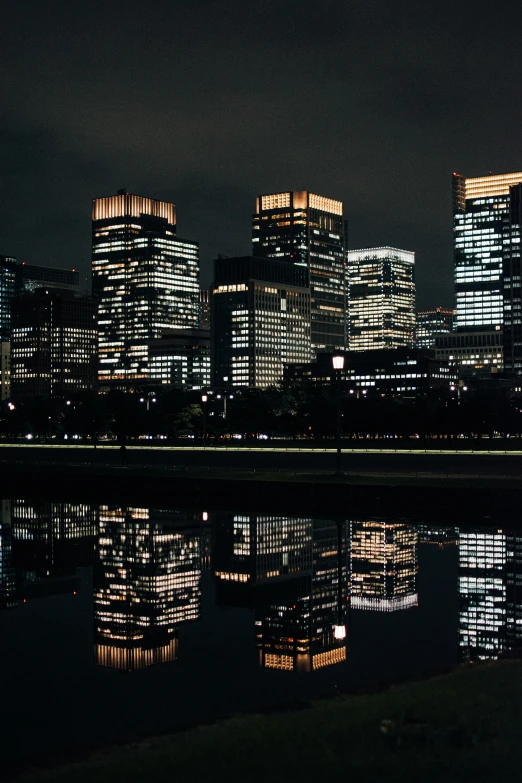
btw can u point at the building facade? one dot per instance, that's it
(512, 284)
(403, 372)
(180, 359)
(53, 344)
(431, 323)
(480, 208)
(30, 277)
(472, 352)
(381, 285)
(5, 370)
(302, 228)
(145, 281)
(7, 292)
(260, 317)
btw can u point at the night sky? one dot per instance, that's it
(208, 104)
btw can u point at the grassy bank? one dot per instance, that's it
(462, 726)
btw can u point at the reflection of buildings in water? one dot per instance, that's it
(438, 535)
(294, 572)
(49, 541)
(146, 582)
(383, 566)
(7, 571)
(252, 550)
(53, 539)
(490, 592)
(306, 629)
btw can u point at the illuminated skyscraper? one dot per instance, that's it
(512, 283)
(299, 227)
(383, 566)
(7, 291)
(53, 344)
(432, 322)
(180, 359)
(480, 206)
(146, 582)
(145, 279)
(260, 311)
(381, 284)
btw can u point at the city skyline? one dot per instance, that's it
(378, 139)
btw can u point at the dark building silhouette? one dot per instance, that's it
(53, 346)
(31, 277)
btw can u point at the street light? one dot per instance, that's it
(204, 399)
(230, 397)
(338, 365)
(148, 399)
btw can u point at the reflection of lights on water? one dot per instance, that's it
(340, 632)
(205, 516)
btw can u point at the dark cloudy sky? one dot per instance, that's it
(209, 103)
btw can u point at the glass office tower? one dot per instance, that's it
(303, 228)
(512, 283)
(381, 284)
(480, 207)
(7, 291)
(432, 322)
(145, 279)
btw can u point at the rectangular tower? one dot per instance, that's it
(145, 280)
(260, 316)
(7, 291)
(30, 277)
(53, 345)
(308, 230)
(480, 207)
(432, 322)
(381, 284)
(512, 284)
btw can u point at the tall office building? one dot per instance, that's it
(7, 292)
(384, 566)
(381, 284)
(146, 582)
(53, 345)
(5, 370)
(512, 283)
(145, 280)
(302, 228)
(260, 312)
(432, 322)
(480, 207)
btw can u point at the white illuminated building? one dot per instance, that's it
(480, 206)
(145, 279)
(381, 288)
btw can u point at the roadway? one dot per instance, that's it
(267, 458)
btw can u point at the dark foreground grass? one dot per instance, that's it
(457, 727)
